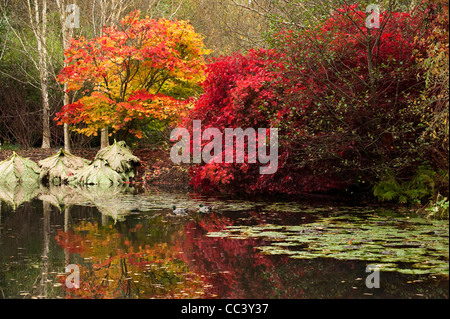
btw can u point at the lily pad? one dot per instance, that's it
(372, 239)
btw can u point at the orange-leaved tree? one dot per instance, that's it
(140, 72)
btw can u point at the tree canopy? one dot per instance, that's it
(141, 71)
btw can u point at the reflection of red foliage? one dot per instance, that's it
(233, 267)
(72, 243)
(214, 223)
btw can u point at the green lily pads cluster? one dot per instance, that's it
(411, 246)
(112, 165)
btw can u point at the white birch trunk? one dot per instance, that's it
(104, 138)
(66, 35)
(38, 19)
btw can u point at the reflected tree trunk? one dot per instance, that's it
(66, 218)
(104, 220)
(43, 293)
(66, 229)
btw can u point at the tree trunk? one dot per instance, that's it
(66, 35)
(67, 146)
(38, 20)
(104, 138)
(43, 73)
(371, 69)
(46, 136)
(43, 291)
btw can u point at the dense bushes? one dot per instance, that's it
(342, 97)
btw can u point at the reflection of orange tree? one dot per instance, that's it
(234, 268)
(116, 267)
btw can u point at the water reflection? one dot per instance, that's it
(129, 245)
(17, 194)
(123, 262)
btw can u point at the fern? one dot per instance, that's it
(387, 190)
(420, 186)
(438, 209)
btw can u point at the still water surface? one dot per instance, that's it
(130, 245)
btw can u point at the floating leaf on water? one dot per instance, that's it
(272, 250)
(269, 234)
(287, 244)
(236, 227)
(218, 234)
(359, 239)
(305, 255)
(267, 227)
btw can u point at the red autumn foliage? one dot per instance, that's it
(339, 95)
(131, 75)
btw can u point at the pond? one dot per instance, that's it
(128, 244)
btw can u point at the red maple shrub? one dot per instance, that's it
(339, 94)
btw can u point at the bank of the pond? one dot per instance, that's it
(156, 170)
(37, 154)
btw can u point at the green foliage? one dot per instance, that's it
(433, 105)
(421, 186)
(439, 208)
(387, 189)
(11, 147)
